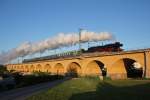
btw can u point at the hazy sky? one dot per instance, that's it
(35, 20)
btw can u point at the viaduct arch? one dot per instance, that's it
(95, 67)
(74, 69)
(47, 68)
(59, 69)
(115, 65)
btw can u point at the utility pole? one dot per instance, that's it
(18, 60)
(80, 30)
(49, 52)
(9, 61)
(55, 52)
(40, 53)
(88, 44)
(21, 59)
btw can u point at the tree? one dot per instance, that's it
(2, 69)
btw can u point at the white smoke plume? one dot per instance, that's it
(61, 40)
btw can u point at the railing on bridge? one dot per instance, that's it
(78, 53)
(56, 56)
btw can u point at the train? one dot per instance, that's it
(112, 47)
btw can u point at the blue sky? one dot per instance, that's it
(35, 20)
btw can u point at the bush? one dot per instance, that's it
(20, 80)
(107, 78)
(35, 78)
(2, 88)
(18, 77)
(40, 73)
(91, 77)
(144, 78)
(10, 86)
(3, 70)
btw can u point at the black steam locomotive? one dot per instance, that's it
(114, 47)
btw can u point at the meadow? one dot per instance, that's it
(91, 88)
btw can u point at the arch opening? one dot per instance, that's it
(32, 68)
(126, 68)
(96, 68)
(27, 68)
(74, 69)
(38, 68)
(59, 69)
(133, 68)
(47, 68)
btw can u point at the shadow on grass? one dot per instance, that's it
(106, 91)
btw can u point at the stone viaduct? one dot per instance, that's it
(118, 65)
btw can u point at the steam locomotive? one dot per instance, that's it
(113, 47)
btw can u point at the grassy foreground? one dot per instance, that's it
(94, 89)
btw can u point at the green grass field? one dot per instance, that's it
(94, 89)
